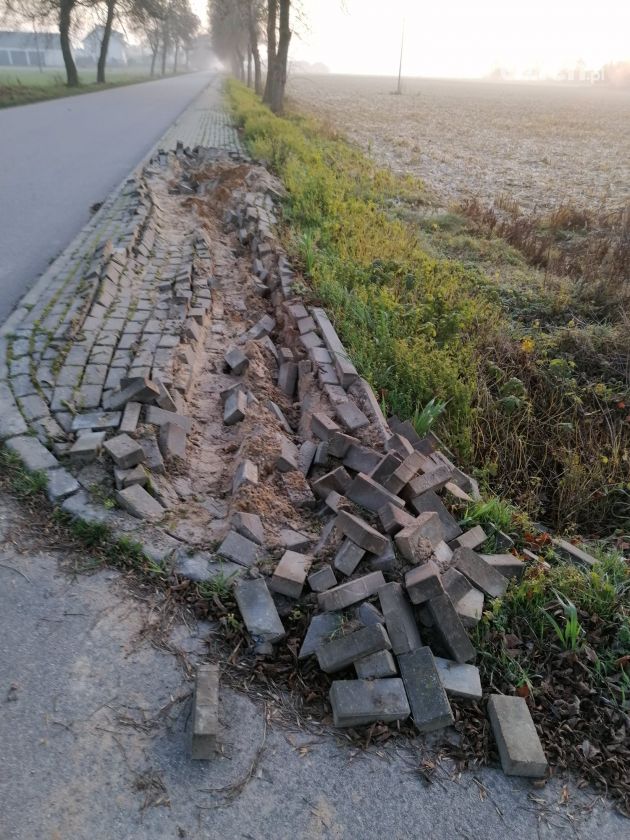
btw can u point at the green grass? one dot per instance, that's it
(23, 482)
(20, 86)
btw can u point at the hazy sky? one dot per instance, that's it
(461, 37)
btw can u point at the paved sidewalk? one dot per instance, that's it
(63, 156)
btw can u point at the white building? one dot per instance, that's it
(30, 49)
(116, 49)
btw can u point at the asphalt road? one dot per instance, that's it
(59, 158)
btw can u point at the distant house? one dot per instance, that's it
(116, 50)
(30, 49)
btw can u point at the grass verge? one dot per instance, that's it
(28, 87)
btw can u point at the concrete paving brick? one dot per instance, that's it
(306, 456)
(361, 459)
(345, 369)
(321, 454)
(322, 579)
(342, 651)
(348, 557)
(96, 421)
(277, 413)
(136, 501)
(87, 448)
(481, 574)
(88, 396)
(335, 501)
(11, 421)
(360, 532)
(350, 416)
(469, 608)
(33, 407)
(400, 444)
(94, 375)
(124, 451)
(371, 495)
(519, 746)
(388, 464)
(376, 666)
(347, 594)
(140, 389)
(258, 610)
(61, 484)
(310, 340)
(236, 361)
(450, 629)
(509, 565)
(322, 627)
(393, 519)
(158, 416)
(125, 478)
(459, 680)
(339, 443)
(323, 426)
(429, 704)
(337, 480)
(287, 456)
(294, 539)
(430, 501)
(290, 574)
(235, 408)
(423, 583)
(471, 539)
(287, 378)
(69, 375)
(430, 481)
(405, 472)
(130, 418)
(22, 386)
(455, 584)
(573, 553)
(246, 473)
(239, 549)
(205, 715)
(399, 618)
(386, 560)
(416, 541)
(249, 525)
(172, 442)
(153, 457)
(361, 702)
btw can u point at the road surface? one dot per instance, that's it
(58, 158)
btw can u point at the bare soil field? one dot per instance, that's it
(543, 145)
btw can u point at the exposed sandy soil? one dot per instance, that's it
(540, 144)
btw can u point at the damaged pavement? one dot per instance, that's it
(179, 390)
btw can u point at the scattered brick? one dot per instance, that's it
(519, 746)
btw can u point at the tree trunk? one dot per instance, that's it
(279, 72)
(176, 57)
(164, 54)
(253, 40)
(154, 52)
(107, 31)
(272, 11)
(65, 16)
(249, 66)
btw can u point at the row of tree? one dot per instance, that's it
(169, 26)
(238, 27)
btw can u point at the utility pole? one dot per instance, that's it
(402, 43)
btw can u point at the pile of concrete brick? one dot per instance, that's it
(392, 564)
